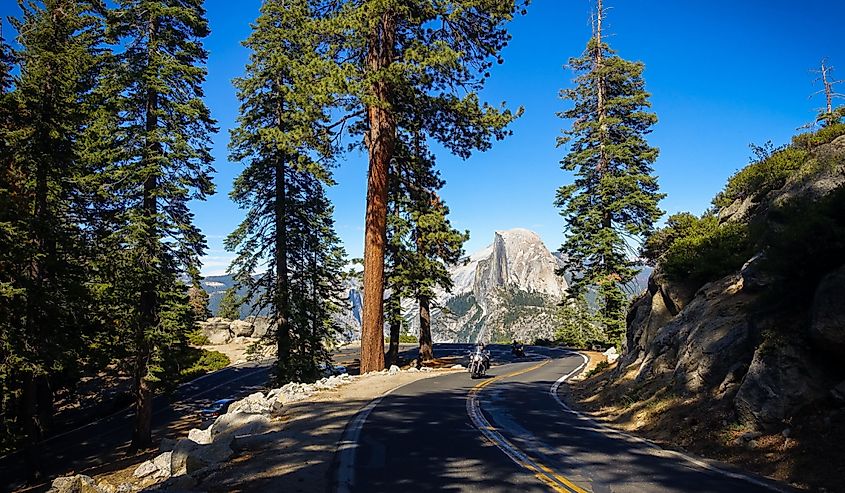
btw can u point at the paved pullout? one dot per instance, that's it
(421, 438)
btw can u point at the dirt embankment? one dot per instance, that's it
(808, 455)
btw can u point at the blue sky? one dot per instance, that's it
(722, 74)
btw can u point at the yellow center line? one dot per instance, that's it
(556, 481)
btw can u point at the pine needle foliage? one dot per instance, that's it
(158, 138)
(288, 255)
(614, 197)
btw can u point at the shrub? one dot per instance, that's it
(195, 362)
(761, 177)
(807, 243)
(709, 254)
(825, 135)
(197, 338)
(602, 366)
(681, 225)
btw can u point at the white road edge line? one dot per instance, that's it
(610, 431)
(347, 447)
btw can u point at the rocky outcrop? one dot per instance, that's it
(222, 330)
(781, 379)
(509, 289)
(827, 326)
(726, 341)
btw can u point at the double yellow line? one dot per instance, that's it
(555, 481)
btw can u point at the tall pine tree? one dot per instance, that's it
(614, 198)
(162, 161)
(42, 271)
(420, 59)
(283, 138)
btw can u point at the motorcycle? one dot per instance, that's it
(518, 351)
(478, 364)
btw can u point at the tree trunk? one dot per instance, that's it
(283, 339)
(382, 130)
(426, 353)
(148, 303)
(600, 89)
(31, 429)
(392, 356)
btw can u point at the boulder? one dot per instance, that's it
(189, 456)
(202, 437)
(166, 445)
(611, 355)
(738, 210)
(291, 392)
(695, 349)
(183, 482)
(252, 404)
(393, 370)
(145, 469)
(75, 484)
(827, 326)
(715, 333)
(159, 467)
(782, 379)
(216, 329)
(229, 425)
(162, 463)
(261, 325)
(241, 328)
(754, 276)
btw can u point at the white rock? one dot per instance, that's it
(251, 404)
(203, 437)
(611, 354)
(413, 370)
(227, 426)
(393, 370)
(162, 463)
(458, 367)
(75, 484)
(189, 456)
(145, 469)
(241, 328)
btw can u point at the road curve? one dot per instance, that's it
(508, 433)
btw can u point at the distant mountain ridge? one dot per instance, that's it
(509, 289)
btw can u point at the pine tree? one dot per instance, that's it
(614, 196)
(162, 161)
(421, 241)
(397, 67)
(284, 140)
(198, 299)
(230, 305)
(43, 292)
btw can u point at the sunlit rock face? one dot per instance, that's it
(506, 290)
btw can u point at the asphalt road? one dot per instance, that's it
(430, 436)
(107, 440)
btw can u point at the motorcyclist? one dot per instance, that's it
(479, 348)
(517, 349)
